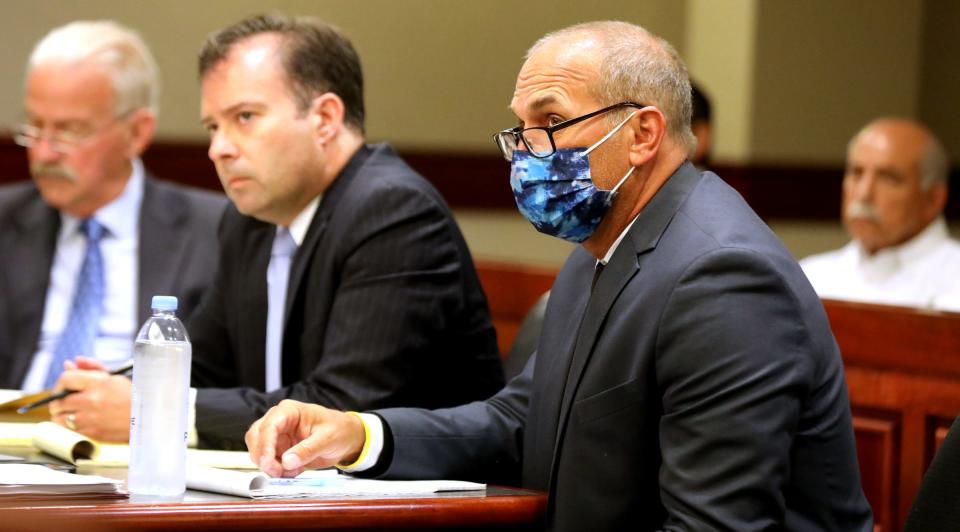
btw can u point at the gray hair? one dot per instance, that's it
(637, 66)
(119, 51)
(934, 164)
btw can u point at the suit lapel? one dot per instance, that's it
(31, 249)
(302, 258)
(622, 267)
(162, 245)
(251, 285)
(297, 283)
(641, 239)
(318, 225)
(554, 354)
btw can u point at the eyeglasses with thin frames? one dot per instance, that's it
(61, 141)
(539, 140)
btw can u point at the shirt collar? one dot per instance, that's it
(919, 246)
(120, 217)
(616, 243)
(299, 226)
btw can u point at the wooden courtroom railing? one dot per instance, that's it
(511, 290)
(903, 375)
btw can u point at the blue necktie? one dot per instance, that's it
(78, 336)
(278, 275)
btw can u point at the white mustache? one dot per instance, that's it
(52, 170)
(862, 209)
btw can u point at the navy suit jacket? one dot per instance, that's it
(177, 256)
(697, 387)
(384, 307)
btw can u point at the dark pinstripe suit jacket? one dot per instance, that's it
(177, 256)
(383, 308)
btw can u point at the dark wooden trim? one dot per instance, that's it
(511, 510)
(481, 181)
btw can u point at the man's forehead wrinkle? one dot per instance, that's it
(550, 84)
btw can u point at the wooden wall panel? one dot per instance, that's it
(936, 433)
(511, 291)
(904, 363)
(878, 436)
(481, 180)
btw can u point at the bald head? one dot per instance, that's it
(895, 182)
(629, 64)
(912, 141)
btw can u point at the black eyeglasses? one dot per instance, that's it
(539, 140)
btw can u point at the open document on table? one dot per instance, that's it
(326, 483)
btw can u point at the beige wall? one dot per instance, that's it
(439, 73)
(824, 68)
(939, 98)
(791, 81)
(719, 50)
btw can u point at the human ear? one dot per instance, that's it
(649, 127)
(141, 126)
(326, 116)
(937, 200)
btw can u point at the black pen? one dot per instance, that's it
(63, 393)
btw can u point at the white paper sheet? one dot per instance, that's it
(31, 480)
(326, 483)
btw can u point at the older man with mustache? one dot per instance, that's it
(87, 242)
(894, 193)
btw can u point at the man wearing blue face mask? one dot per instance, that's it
(693, 385)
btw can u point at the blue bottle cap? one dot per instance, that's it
(164, 303)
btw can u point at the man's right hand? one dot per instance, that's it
(101, 407)
(294, 436)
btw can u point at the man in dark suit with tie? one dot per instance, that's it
(91, 99)
(685, 378)
(343, 277)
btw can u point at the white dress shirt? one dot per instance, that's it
(923, 272)
(113, 345)
(298, 230)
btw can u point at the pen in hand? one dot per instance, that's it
(123, 370)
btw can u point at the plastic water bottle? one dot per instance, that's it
(158, 420)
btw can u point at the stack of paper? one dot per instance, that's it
(324, 483)
(77, 449)
(31, 481)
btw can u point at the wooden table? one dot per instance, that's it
(501, 509)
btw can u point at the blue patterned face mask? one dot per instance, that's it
(557, 194)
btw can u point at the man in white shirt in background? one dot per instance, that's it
(92, 237)
(894, 193)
